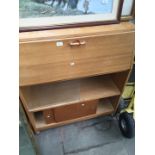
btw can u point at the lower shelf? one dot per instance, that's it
(104, 107)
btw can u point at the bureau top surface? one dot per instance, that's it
(75, 32)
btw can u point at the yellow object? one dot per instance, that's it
(129, 93)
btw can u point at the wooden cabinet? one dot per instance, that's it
(74, 74)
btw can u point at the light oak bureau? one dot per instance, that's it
(74, 74)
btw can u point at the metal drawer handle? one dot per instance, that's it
(48, 116)
(77, 43)
(72, 63)
(83, 105)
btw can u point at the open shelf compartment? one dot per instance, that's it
(51, 95)
(104, 107)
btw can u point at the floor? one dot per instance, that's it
(25, 144)
(99, 136)
(25, 147)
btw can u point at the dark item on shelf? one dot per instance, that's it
(75, 110)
